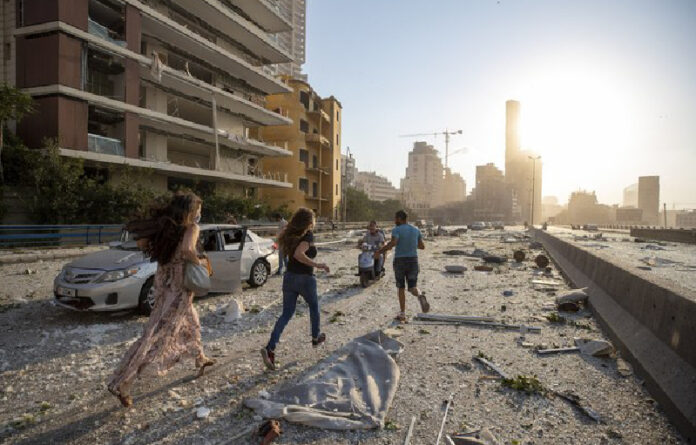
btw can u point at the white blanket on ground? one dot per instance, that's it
(351, 389)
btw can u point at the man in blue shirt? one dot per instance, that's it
(407, 239)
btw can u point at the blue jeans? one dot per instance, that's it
(282, 261)
(295, 284)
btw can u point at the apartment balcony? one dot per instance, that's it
(246, 33)
(105, 33)
(319, 113)
(317, 170)
(167, 30)
(316, 198)
(317, 138)
(265, 14)
(104, 145)
(165, 123)
(183, 171)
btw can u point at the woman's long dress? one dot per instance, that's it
(172, 333)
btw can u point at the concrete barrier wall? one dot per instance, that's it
(673, 235)
(653, 326)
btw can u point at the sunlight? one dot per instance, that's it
(573, 112)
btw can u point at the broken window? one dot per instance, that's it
(304, 99)
(105, 131)
(304, 126)
(304, 185)
(304, 157)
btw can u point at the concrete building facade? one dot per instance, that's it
(314, 139)
(376, 187)
(422, 185)
(649, 198)
(348, 170)
(170, 86)
(492, 195)
(630, 196)
(686, 219)
(293, 41)
(454, 187)
(523, 169)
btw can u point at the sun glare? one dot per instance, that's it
(575, 112)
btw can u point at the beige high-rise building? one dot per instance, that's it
(649, 198)
(523, 169)
(376, 187)
(422, 186)
(314, 139)
(454, 187)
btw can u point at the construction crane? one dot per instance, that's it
(445, 133)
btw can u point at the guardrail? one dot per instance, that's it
(58, 235)
(91, 234)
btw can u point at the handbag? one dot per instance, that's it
(197, 279)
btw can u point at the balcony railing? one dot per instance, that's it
(314, 137)
(104, 145)
(105, 33)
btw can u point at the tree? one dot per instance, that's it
(14, 104)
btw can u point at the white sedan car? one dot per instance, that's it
(122, 276)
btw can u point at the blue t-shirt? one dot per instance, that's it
(407, 236)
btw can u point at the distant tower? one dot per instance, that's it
(512, 134)
(649, 198)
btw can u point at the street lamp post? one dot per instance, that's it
(534, 159)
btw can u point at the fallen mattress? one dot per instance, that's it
(350, 390)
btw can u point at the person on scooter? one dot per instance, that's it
(375, 238)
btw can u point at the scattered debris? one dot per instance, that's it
(444, 418)
(494, 259)
(574, 296)
(390, 425)
(423, 331)
(536, 245)
(623, 367)
(270, 430)
(548, 283)
(409, 434)
(336, 315)
(476, 321)
(202, 412)
(481, 437)
(455, 269)
(519, 256)
(456, 252)
(541, 261)
(575, 401)
(596, 348)
(487, 362)
(483, 268)
(454, 318)
(233, 311)
(568, 306)
(508, 293)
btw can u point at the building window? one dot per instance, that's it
(315, 161)
(304, 126)
(337, 115)
(304, 157)
(304, 185)
(337, 143)
(315, 189)
(336, 164)
(336, 189)
(304, 99)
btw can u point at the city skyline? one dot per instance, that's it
(601, 86)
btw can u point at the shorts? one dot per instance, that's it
(406, 272)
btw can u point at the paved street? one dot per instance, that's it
(54, 363)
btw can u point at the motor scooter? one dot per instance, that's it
(369, 269)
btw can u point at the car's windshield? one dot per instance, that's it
(126, 242)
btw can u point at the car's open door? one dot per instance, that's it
(226, 263)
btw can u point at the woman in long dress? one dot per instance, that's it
(173, 331)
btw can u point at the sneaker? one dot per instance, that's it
(401, 317)
(268, 358)
(319, 340)
(425, 306)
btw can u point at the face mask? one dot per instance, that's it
(197, 219)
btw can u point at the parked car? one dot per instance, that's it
(478, 225)
(122, 276)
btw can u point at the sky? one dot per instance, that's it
(607, 88)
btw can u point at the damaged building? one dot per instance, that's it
(173, 87)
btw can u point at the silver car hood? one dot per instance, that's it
(111, 259)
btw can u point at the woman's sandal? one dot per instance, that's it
(125, 399)
(201, 365)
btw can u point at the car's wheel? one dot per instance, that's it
(147, 297)
(259, 274)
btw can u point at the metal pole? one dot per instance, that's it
(534, 159)
(216, 161)
(664, 210)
